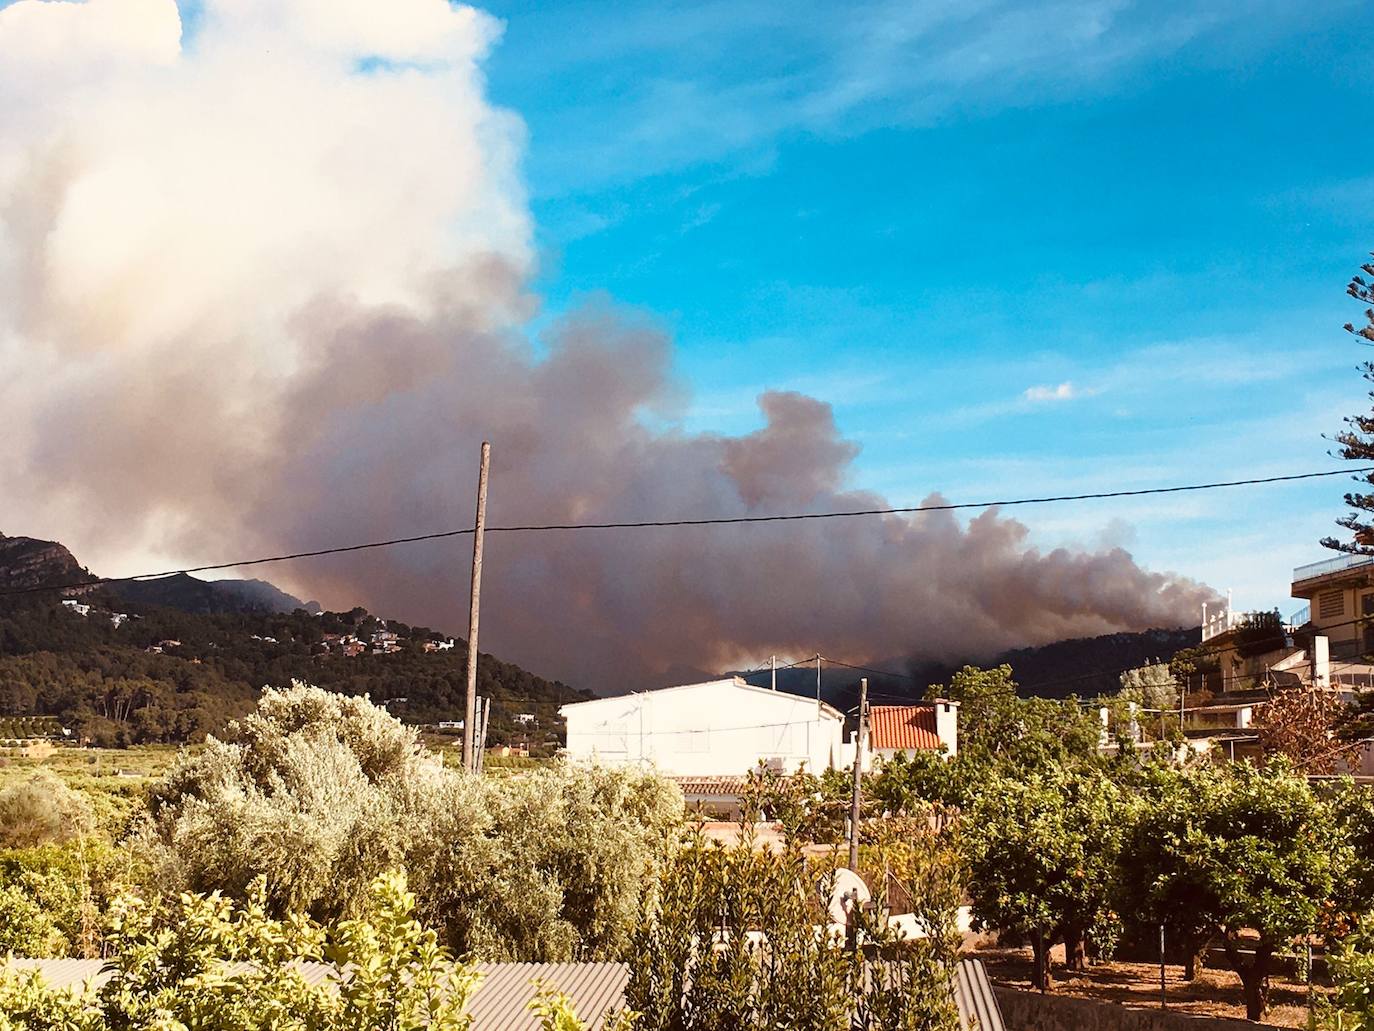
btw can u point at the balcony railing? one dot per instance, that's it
(1331, 565)
(1224, 619)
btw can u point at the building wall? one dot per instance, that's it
(1339, 611)
(717, 728)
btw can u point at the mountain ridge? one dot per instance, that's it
(119, 666)
(191, 594)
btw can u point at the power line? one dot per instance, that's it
(711, 521)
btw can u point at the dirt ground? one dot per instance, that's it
(1215, 992)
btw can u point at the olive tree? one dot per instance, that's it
(40, 810)
(323, 793)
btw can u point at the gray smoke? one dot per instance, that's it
(267, 292)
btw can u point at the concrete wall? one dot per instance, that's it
(717, 728)
(1031, 1011)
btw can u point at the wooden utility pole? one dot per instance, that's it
(474, 608)
(860, 739)
(485, 718)
(818, 687)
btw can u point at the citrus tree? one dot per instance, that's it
(1042, 860)
(1243, 854)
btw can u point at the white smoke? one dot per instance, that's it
(263, 286)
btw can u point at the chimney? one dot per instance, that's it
(947, 726)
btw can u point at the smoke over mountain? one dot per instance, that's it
(263, 286)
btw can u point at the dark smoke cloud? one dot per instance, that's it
(332, 383)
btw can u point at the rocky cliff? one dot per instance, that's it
(28, 562)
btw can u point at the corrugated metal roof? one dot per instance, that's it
(973, 996)
(501, 1002)
(61, 973)
(903, 726)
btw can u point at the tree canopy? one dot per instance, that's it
(1356, 441)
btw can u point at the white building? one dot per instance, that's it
(721, 727)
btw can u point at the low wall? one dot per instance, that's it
(1031, 1011)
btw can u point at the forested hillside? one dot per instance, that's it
(1084, 666)
(166, 675)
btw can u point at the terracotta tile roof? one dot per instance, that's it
(903, 726)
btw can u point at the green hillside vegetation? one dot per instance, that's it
(103, 683)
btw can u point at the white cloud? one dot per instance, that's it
(1065, 391)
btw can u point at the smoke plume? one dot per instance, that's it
(264, 286)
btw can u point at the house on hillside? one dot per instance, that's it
(716, 728)
(1324, 646)
(907, 729)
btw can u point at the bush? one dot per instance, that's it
(70, 885)
(41, 809)
(323, 793)
(26, 929)
(217, 966)
(731, 940)
(1351, 1008)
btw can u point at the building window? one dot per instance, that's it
(1331, 603)
(697, 741)
(1367, 605)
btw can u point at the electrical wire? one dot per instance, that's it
(711, 521)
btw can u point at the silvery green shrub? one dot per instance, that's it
(321, 793)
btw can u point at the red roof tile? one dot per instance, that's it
(903, 726)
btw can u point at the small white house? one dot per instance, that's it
(718, 728)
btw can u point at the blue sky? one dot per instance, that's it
(1021, 248)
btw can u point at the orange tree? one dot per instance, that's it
(1042, 857)
(1243, 854)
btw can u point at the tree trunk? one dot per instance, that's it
(1041, 950)
(1196, 955)
(1075, 955)
(1254, 976)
